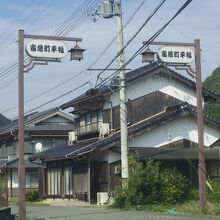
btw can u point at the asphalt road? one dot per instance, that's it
(74, 213)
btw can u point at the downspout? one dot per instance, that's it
(111, 115)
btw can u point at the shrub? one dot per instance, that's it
(214, 196)
(32, 195)
(148, 185)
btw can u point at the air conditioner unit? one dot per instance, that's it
(102, 198)
(117, 169)
(103, 129)
(72, 137)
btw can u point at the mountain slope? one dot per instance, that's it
(213, 83)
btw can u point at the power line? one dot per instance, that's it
(45, 92)
(66, 22)
(27, 18)
(71, 78)
(82, 18)
(13, 23)
(113, 40)
(52, 100)
(132, 38)
(151, 39)
(86, 3)
(81, 10)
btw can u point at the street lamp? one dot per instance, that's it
(180, 55)
(41, 50)
(148, 56)
(76, 53)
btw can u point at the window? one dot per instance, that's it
(68, 181)
(53, 181)
(32, 180)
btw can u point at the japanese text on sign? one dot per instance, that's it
(171, 54)
(46, 49)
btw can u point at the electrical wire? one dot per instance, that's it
(73, 77)
(82, 18)
(10, 28)
(143, 47)
(45, 92)
(86, 6)
(79, 12)
(52, 100)
(113, 40)
(66, 22)
(132, 38)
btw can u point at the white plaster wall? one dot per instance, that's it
(106, 156)
(154, 83)
(183, 128)
(15, 179)
(113, 156)
(57, 119)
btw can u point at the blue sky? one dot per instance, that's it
(199, 20)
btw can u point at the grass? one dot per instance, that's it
(187, 208)
(39, 202)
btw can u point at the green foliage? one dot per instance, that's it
(149, 185)
(32, 195)
(214, 196)
(194, 194)
(213, 109)
(213, 83)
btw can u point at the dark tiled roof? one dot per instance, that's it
(136, 129)
(61, 151)
(174, 153)
(216, 143)
(139, 73)
(3, 120)
(13, 164)
(2, 161)
(30, 118)
(83, 147)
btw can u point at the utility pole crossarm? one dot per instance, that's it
(44, 37)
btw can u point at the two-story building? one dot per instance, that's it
(161, 119)
(42, 131)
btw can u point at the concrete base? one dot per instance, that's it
(67, 202)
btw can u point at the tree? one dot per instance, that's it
(213, 83)
(148, 184)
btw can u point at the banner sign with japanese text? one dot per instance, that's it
(176, 54)
(50, 49)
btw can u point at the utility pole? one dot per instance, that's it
(122, 95)
(21, 167)
(201, 165)
(76, 54)
(200, 124)
(109, 9)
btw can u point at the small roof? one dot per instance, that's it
(35, 117)
(2, 161)
(177, 150)
(62, 151)
(13, 164)
(148, 50)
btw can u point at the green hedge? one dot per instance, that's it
(148, 185)
(32, 195)
(214, 194)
